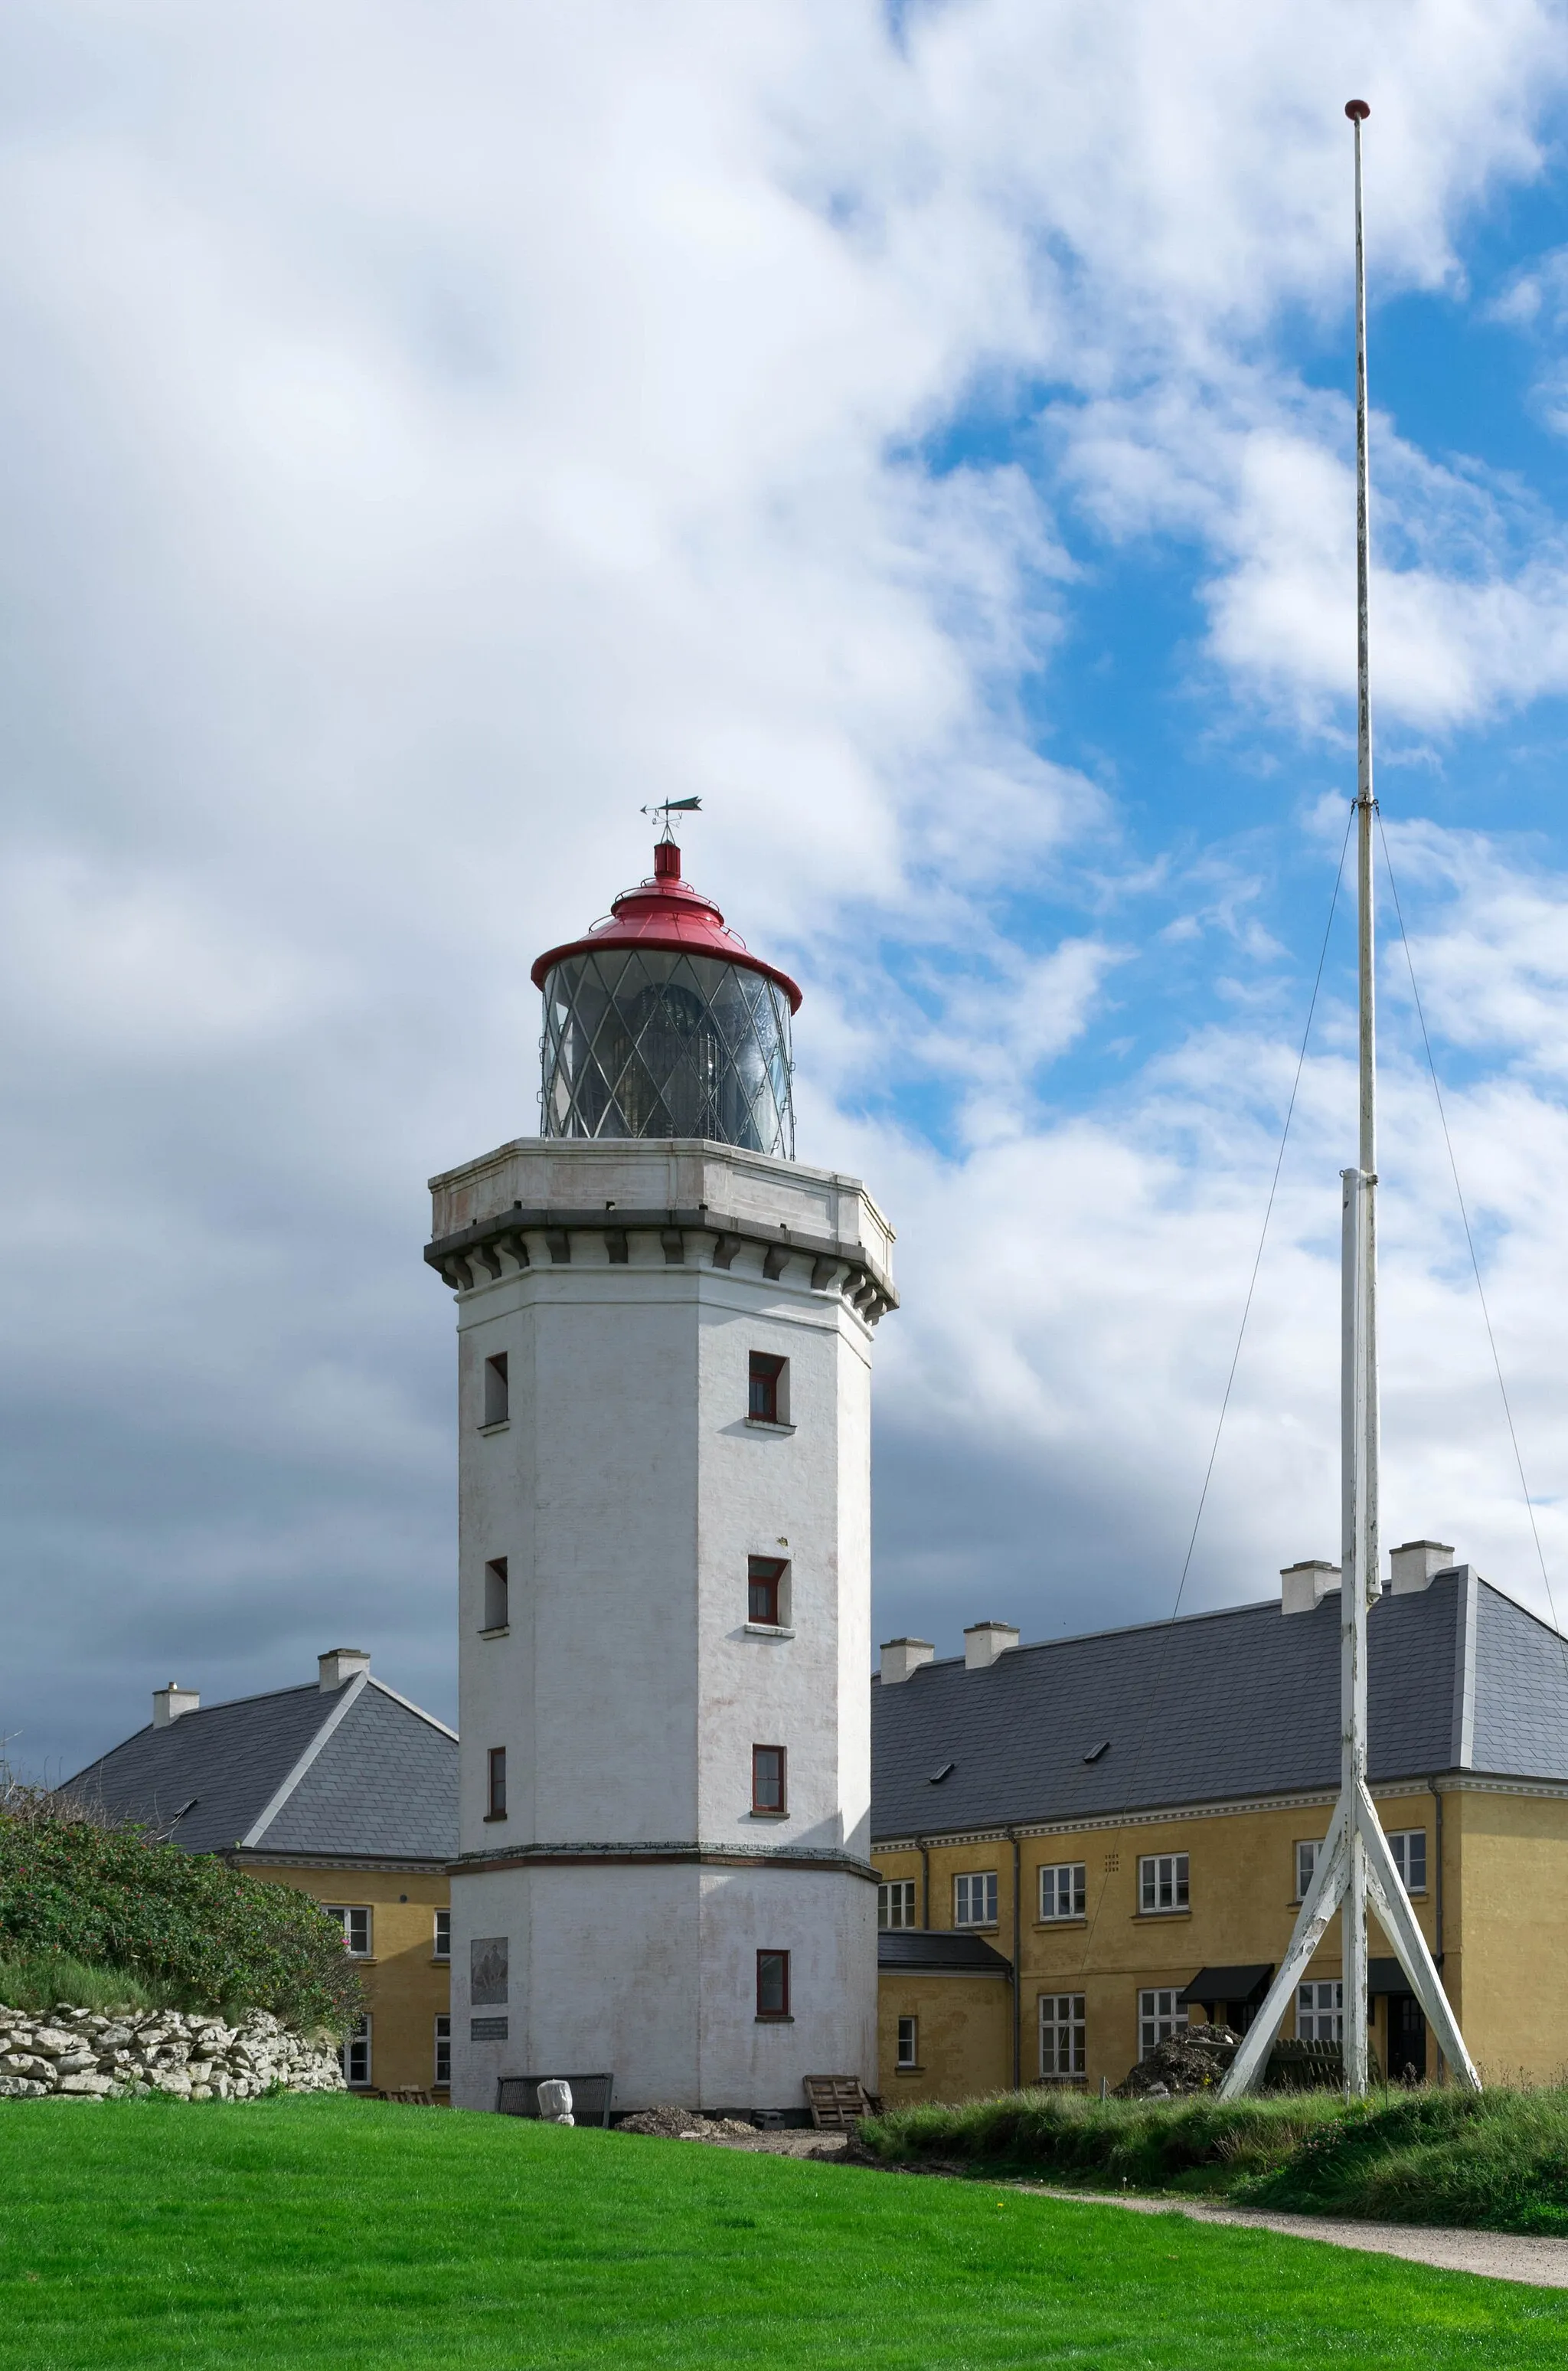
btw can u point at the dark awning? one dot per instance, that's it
(1244, 1987)
(1384, 1976)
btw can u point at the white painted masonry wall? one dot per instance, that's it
(627, 1492)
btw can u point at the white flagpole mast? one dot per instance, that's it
(1355, 1864)
(1360, 1580)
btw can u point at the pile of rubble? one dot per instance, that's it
(1195, 2060)
(685, 2125)
(85, 2055)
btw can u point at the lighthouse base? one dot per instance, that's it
(650, 1969)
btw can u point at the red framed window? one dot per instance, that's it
(765, 1576)
(496, 1777)
(772, 1984)
(768, 1779)
(763, 1399)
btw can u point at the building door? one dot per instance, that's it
(1407, 2039)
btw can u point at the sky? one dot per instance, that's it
(924, 432)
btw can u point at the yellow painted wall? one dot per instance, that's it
(964, 2041)
(1241, 1877)
(1505, 1921)
(405, 1987)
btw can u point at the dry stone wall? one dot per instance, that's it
(84, 2054)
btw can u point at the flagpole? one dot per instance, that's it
(1360, 1580)
(1354, 1865)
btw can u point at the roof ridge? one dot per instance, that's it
(409, 1706)
(1114, 1630)
(347, 1696)
(1519, 1606)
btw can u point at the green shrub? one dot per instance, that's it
(1496, 2159)
(194, 1931)
(52, 1978)
(1201, 2143)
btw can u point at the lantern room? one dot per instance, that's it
(660, 1022)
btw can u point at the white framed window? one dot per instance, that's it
(895, 1903)
(355, 2055)
(1409, 1849)
(975, 1898)
(441, 1947)
(1159, 2015)
(1306, 1866)
(1064, 1890)
(1319, 2012)
(1162, 1882)
(441, 2079)
(358, 1929)
(908, 2041)
(1061, 2036)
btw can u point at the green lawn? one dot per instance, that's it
(307, 2232)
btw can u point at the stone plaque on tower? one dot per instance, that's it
(664, 1334)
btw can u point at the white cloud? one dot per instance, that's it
(427, 447)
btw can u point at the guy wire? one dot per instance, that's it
(1469, 1239)
(1229, 1381)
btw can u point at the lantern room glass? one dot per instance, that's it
(642, 1043)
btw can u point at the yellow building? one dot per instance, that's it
(1127, 1820)
(343, 1789)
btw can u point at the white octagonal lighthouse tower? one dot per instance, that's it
(664, 1336)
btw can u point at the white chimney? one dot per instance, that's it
(340, 1664)
(170, 1702)
(983, 1641)
(1417, 1564)
(900, 1657)
(1304, 1586)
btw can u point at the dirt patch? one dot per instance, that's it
(685, 2125)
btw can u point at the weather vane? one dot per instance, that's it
(668, 807)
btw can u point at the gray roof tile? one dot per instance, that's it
(1235, 1704)
(385, 1783)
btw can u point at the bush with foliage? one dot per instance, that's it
(196, 1933)
(1494, 2159)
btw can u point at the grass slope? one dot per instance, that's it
(1494, 2160)
(336, 2232)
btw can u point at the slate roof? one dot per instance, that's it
(1218, 1705)
(358, 1773)
(905, 1950)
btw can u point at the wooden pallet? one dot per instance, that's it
(837, 2103)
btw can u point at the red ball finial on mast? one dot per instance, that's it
(1357, 110)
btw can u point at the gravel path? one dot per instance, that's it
(1498, 2255)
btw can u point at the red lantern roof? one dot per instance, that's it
(668, 916)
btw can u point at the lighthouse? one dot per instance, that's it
(664, 1331)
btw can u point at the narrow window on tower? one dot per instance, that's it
(497, 1394)
(768, 1397)
(772, 1985)
(768, 1593)
(767, 1782)
(496, 1614)
(495, 1762)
